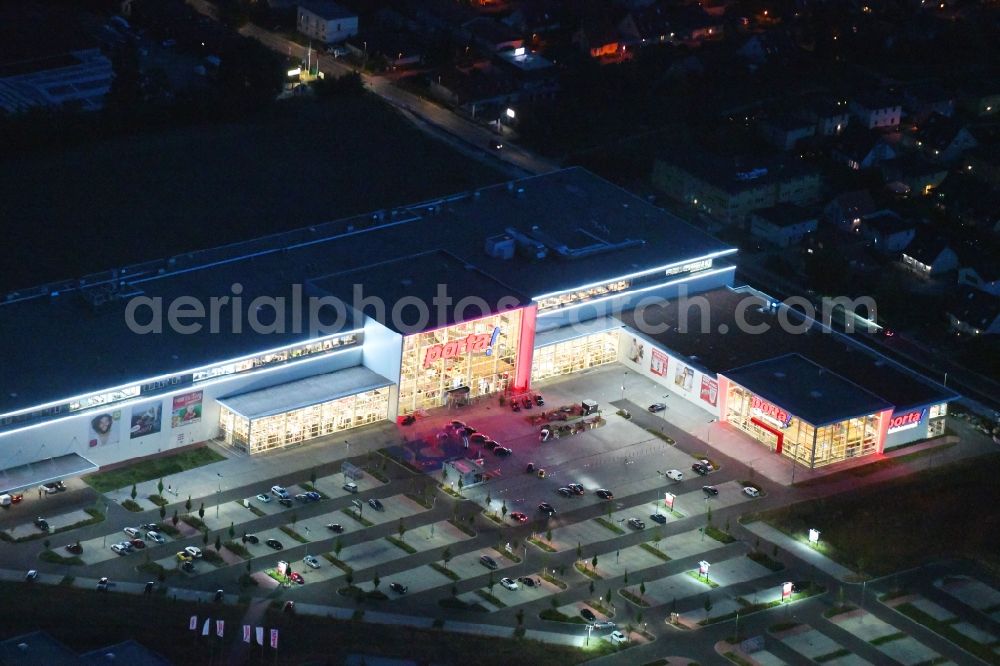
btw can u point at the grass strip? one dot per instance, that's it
(293, 534)
(237, 548)
(445, 571)
(701, 579)
(332, 559)
(51, 556)
(155, 468)
(402, 545)
(358, 517)
(655, 551)
(604, 522)
(634, 598)
(837, 654)
(133, 506)
(556, 616)
(882, 640)
(488, 596)
(541, 544)
(718, 534)
(555, 581)
(944, 629)
(762, 558)
(582, 568)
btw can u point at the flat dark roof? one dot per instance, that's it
(723, 352)
(807, 390)
(58, 345)
(421, 276)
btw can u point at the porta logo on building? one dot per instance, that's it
(474, 343)
(905, 421)
(772, 412)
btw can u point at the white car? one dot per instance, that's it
(155, 536)
(604, 624)
(675, 475)
(509, 583)
(618, 638)
(263, 498)
(750, 491)
(31, 575)
(193, 551)
(279, 491)
(351, 487)
(132, 532)
(118, 549)
(311, 561)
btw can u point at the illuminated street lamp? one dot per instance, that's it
(510, 113)
(590, 628)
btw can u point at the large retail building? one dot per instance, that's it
(269, 343)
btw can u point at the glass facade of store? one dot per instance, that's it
(476, 357)
(797, 439)
(280, 430)
(575, 355)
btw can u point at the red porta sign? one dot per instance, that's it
(473, 343)
(905, 420)
(773, 411)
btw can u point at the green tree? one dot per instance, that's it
(520, 617)
(461, 484)
(446, 555)
(554, 601)
(338, 546)
(579, 550)
(294, 517)
(163, 512)
(174, 518)
(232, 531)
(312, 476)
(204, 537)
(201, 511)
(638, 617)
(401, 529)
(492, 582)
(642, 586)
(376, 581)
(159, 487)
(250, 565)
(444, 474)
(548, 534)
(349, 578)
(591, 586)
(708, 515)
(187, 504)
(503, 509)
(727, 526)
(626, 578)
(218, 542)
(46, 543)
(707, 605)
(593, 563)
(607, 596)
(134, 493)
(489, 501)
(454, 590)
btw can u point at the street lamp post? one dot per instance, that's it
(590, 628)
(218, 495)
(623, 386)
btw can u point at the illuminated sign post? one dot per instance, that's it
(703, 568)
(786, 591)
(668, 500)
(813, 537)
(473, 343)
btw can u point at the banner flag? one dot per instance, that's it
(274, 638)
(204, 629)
(219, 626)
(246, 633)
(260, 635)
(193, 624)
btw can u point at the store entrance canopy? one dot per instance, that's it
(44, 471)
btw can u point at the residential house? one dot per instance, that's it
(326, 21)
(481, 91)
(534, 72)
(924, 99)
(861, 149)
(831, 115)
(981, 98)
(942, 139)
(692, 25)
(876, 110)
(491, 35)
(887, 232)
(968, 201)
(929, 255)
(730, 188)
(912, 175)
(647, 26)
(783, 225)
(78, 79)
(848, 209)
(770, 46)
(397, 48)
(980, 270)
(598, 37)
(974, 312)
(784, 130)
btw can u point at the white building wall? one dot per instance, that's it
(654, 362)
(383, 353)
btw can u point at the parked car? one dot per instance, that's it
(187, 567)
(494, 144)
(274, 543)
(302, 497)
(398, 588)
(311, 561)
(657, 407)
(131, 531)
(297, 578)
(658, 518)
(502, 452)
(314, 496)
(576, 488)
(750, 491)
(515, 406)
(604, 624)
(251, 538)
(102, 585)
(153, 535)
(478, 438)
(138, 543)
(490, 445)
(539, 400)
(618, 637)
(118, 549)
(263, 498)
(526, 402)
(588, 615)
(74, 548)
(519, 517)
(193, 551)
(565, 492)
(528, 581)
(509, 583)
(376, 504)
(674, 475)
(337, 528)
(279, 491)
(636, 524)
(710, 490)
(181, 556)
(285, 502)
(351, 487)
(42, 524)
(547, 509)
(604, 494)
(218, 596)
(488, 562)
(700, 469)
(708, 464)
(149, 526)
(127, 546)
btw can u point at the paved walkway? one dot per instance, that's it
(800, 550)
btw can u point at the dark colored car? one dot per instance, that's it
(636, 524)
(494, 144)
(539, 400)
(138, 543)
(490, 445)
(314, 496)
(275, 544)
(74, 548)
(218, 595)
(530, 469)
(565, 492)
(502, 452)
(284, 501)
(699, 469)
(604, 493)
(488, 562)
(187, 567)
(375, 504)
(149, 526)
(588, 615)
(547, 509)
(251, 538)
(658, 518)
(657, 407)
(302, 497)
(297, 578)
(479, 438)
(42, 524)
(710, 490)
(519, 517)
(526, 403)
(527, 581)
(398, 588)
(576, 488)
(515, 406)
(335, 527)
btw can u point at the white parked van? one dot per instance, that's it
(6, 500)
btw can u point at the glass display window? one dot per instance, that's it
(571, 356)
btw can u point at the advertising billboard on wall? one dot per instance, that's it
(636, 351)
(186, 409)
(709, 390)
(146, 419)
(104, 428)
(683, 377)
(658, 363)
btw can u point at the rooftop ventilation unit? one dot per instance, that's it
(501, 246)
(528, 246)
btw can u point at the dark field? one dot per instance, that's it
(130, 199)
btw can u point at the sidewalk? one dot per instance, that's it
(800, 550)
